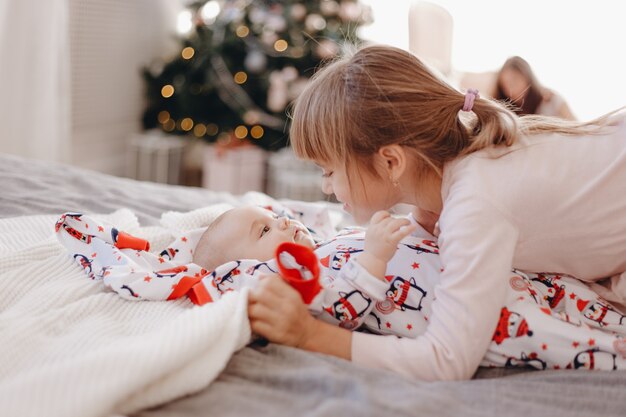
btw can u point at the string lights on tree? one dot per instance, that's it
(242, 62)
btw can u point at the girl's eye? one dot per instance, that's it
(265, 230)
(327, 174)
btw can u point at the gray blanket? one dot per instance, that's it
(279, 381)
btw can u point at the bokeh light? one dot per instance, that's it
(188, 52)
(167, 91)
(241, 132)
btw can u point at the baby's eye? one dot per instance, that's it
(327, 174)
(265, 230)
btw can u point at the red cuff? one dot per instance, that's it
(126, 241)
(199, 295)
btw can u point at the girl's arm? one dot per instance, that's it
(328, 339)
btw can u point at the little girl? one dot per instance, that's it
(529, 193)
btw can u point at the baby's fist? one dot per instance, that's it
(384, 234)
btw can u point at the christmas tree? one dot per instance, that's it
(242, 62)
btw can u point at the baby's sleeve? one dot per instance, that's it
(236, 275)
(348, 300)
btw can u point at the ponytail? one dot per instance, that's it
(494, 125)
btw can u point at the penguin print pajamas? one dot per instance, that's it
(549, 321)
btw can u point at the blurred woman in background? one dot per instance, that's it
(517, 85)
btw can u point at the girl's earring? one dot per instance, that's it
(394, 182)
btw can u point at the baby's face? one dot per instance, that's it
(255, 233)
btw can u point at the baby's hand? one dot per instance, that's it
(381, 241)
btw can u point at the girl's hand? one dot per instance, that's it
(277, 313)
(381, 241)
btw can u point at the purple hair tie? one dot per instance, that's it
(470, 96)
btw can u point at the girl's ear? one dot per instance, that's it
(394, 159)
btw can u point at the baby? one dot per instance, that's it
(381, 280)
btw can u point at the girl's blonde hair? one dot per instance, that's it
(383, 95)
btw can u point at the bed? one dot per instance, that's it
(275, 380)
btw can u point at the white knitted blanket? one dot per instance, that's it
(68, 347)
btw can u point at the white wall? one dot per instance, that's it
(110, 40)
(575, 47)
(34, 77)
(72, 90)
